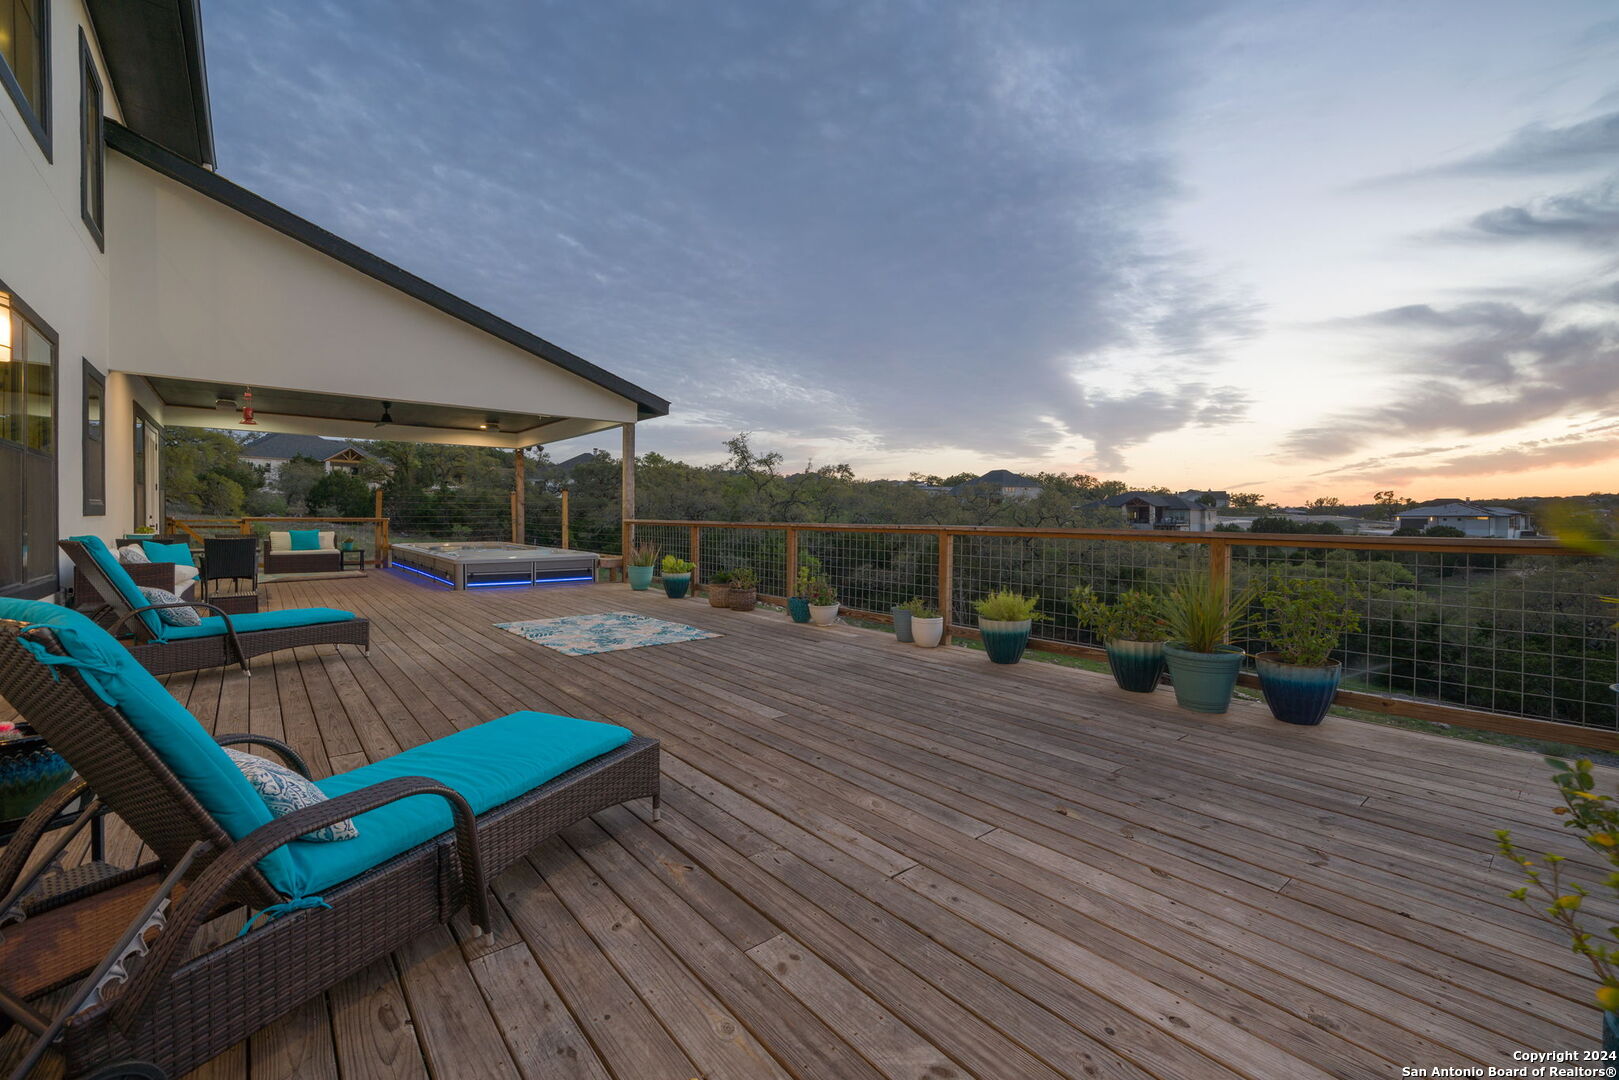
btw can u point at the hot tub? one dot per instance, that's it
(478, 564)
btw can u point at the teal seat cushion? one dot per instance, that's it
(179, 554)
(304, 539)
(489, 765)
(173, 733)
(259, 620)
(131, 593)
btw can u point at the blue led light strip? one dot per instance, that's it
(424, 573)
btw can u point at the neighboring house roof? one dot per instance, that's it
(1457, 508)
(280, 446)
(996, 478)
(1195, 492)
(154, 56)
(216, 187)
(1151, 498)
(574, 462)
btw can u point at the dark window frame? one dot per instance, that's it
(37, 590)
(142, 481)
(92, 146)
(38, 124)
(95, 488)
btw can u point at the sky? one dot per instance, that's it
(1300, 248)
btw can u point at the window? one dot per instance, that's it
(25, 63)
(92, 148)
(95, 443)
(27, 451)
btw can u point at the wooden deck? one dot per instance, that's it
(882, 861)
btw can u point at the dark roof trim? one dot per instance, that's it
(289, 224)
(155, 60)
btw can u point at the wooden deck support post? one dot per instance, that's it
(1220, 565)
(626, 493)
(696, 547)
(519, 498)
(947, 570)
(565, 541)
(380, 529)
(792, 560)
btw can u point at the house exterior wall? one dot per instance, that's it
(1495, 527)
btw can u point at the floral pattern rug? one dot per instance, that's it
(581, 635)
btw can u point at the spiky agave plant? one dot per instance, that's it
(1199, 614)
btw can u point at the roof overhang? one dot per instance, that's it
(154, 56)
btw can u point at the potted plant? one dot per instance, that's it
(1306, 621)
(903, 613)
(1130, 630)
(1005, 619)
(809, 569)
(744, 589)
(1200, 620)
(346, 543)
(643, 560)
(719, 590)
(1594, 819)
(927, 625)
(823, 602)
(676, 574)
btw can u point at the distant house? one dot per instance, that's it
(273, 450)
(1154, 510)
(1474, 519)
(1002, 482)
(1217, 499)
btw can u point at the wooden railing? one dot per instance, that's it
(1463, 626)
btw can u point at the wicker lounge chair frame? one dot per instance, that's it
(176, 1010)
(319, 561)
(232, 647)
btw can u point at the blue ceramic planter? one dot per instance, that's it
(902, 623)
(675, 585)
(1297, 695)
(1610, 1041)
(1203, 681)
(1005, 640)
(640, 578)
(1136, 665)
(798, 608)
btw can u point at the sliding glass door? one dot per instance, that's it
(27, 451)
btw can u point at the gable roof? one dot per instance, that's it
(154, 57)
(1005, 478)
(1151, 498)
(1458, 508)
(259, 209)
(281, 446)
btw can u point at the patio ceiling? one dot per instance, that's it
(197, 403)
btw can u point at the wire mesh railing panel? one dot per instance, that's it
(448, 515)
(873, 571)
(764, 551)
(1519, 635)
(1050, 568)
(666, 539)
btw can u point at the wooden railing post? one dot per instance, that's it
(565, 541)
(696, 552)
(519, 498)
(947, 571)
(1220, 565)
(792, 559)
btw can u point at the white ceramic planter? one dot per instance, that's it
(927, 632)
(824, 614)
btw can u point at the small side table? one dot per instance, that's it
(352, 556)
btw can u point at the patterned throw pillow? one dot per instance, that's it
(174, 616)
(132, 553)
(284, 791)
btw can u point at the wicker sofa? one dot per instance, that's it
(281, 558)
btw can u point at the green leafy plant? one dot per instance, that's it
(819, 593)
(644, 555)
(724, 577)
(144, 530)
(809, 569)
(672, 565)
(744, 578)
(1197, 613)
(917, 607)
(345, 539)
(1004, 605)
(1132, 617)
(1306, 619)
(1555, 898)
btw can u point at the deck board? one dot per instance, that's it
(881, 861)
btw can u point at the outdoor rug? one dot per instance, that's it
(581, 635)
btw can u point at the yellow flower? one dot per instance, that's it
(1608, 998)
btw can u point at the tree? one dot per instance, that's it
(295, 479)
(1247, 500)
(219, 494)
(340, 494)
(1327, 502)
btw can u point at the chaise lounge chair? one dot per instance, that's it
(434, 823)
(219, 639)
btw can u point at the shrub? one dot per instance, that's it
(1132, 617)
(672, 565)
(1443, 530)
(820, 592)
(1307, 620)
(744, 578)
(1004, 605)
(916, 606)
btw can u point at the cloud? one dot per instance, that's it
(885, 226)
(1543, 148)
(1585, 448)
(1588, 217)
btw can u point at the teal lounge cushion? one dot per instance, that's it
(179, 554)
(304, 539)
(131, 593)
(489, 765)
(213, 626)
(172, 732)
